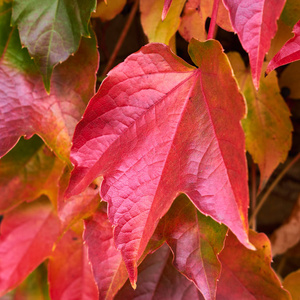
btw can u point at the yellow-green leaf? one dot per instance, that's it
(267, 125)
(157, 30)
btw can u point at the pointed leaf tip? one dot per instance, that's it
(166, 8)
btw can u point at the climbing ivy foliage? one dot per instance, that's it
(139, 189)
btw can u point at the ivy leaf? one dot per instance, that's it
(248, 274)
(158, 279)
(108, 267)
(196, 241)
(288, 53)
(290, 78)
(292, 283)
(27, 237)
(255, 24)
(25, 107)
(28, 171)
(156, 129)
(107, 11)
(52, 30)
(156, 29)
(268, 127)
(69, 271)
(194, 17)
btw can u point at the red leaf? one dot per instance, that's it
(156, 129)
(108, 267)
(69, 271)
(288, 53)
(27, 237)
(25, 107)
(196, 241)
(255, 24)
(248, 274)
(159, 280)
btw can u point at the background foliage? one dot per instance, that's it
(163, 143)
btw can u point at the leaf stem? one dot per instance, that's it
(121, 39)
(271, 188)
(253, 192)
(213, 20)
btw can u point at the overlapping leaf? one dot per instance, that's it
(156, 29)
(108, 267)
(35, 286)
(196, 241)
(52, 29)
(255, 24)
(248, 274)
(195, 15)
(77, 207)
(28, 171)
(290, 78)
(267, 126)
(156, 129)
(107, 11)
(27, 237)
(25, 107)
(292, 284)
(69, 271)
(288, 53)
(158, 279)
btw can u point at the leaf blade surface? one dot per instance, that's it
(154, 130)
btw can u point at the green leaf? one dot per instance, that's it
(52, 29)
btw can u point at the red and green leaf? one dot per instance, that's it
(29, 170)
(248, 274)
(196, 241)
(52, 30)
(25, 107)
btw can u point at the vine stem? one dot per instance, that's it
(213, 20)
(253, 192)
(121, 39)
(271, 188)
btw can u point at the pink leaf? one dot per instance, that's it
(69, 271)
(156, 129)
(108, 267)
(27, 237)
(255, 24)
(166, 8)
(288, 53)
